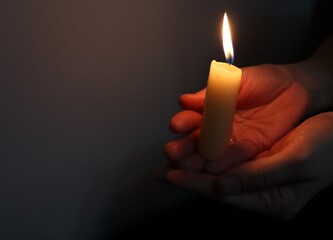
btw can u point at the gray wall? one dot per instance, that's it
(86, 92)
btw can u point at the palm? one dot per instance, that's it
(270, 110)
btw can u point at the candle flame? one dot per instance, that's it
(226, 40)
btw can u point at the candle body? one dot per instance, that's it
(219, 109)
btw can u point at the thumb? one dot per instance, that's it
(259, 174)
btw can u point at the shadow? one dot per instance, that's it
(322, 25)
(121, 197)
(207, 219)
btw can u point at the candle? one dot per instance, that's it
(220, 101)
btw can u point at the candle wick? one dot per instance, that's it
(229, 60)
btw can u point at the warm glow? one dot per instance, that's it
(226, 40)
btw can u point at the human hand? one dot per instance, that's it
(277, 182)
(270, 103)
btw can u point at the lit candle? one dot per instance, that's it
(220, 101)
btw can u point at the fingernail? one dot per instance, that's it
(230, 185)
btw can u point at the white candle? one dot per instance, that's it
(220, 102)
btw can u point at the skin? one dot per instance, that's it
(283, 140)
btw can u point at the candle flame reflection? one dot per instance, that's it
(226, 40)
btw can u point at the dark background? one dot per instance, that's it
(86, 92)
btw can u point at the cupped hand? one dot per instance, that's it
(271, 102)
(278, 181)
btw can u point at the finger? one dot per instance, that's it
(235, 154)
(281, 202)
(160, 173)
(257, 80)
(260, 174)
(246, 87)
(185, 121)
(246, 201)
(192, 101)
(192, 162)
(196, 182)
(181, 147)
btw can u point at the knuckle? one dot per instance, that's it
(256, 180)
(303, 165)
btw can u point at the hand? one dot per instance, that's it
(277, 182)
(288, 166)
(271, 102)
